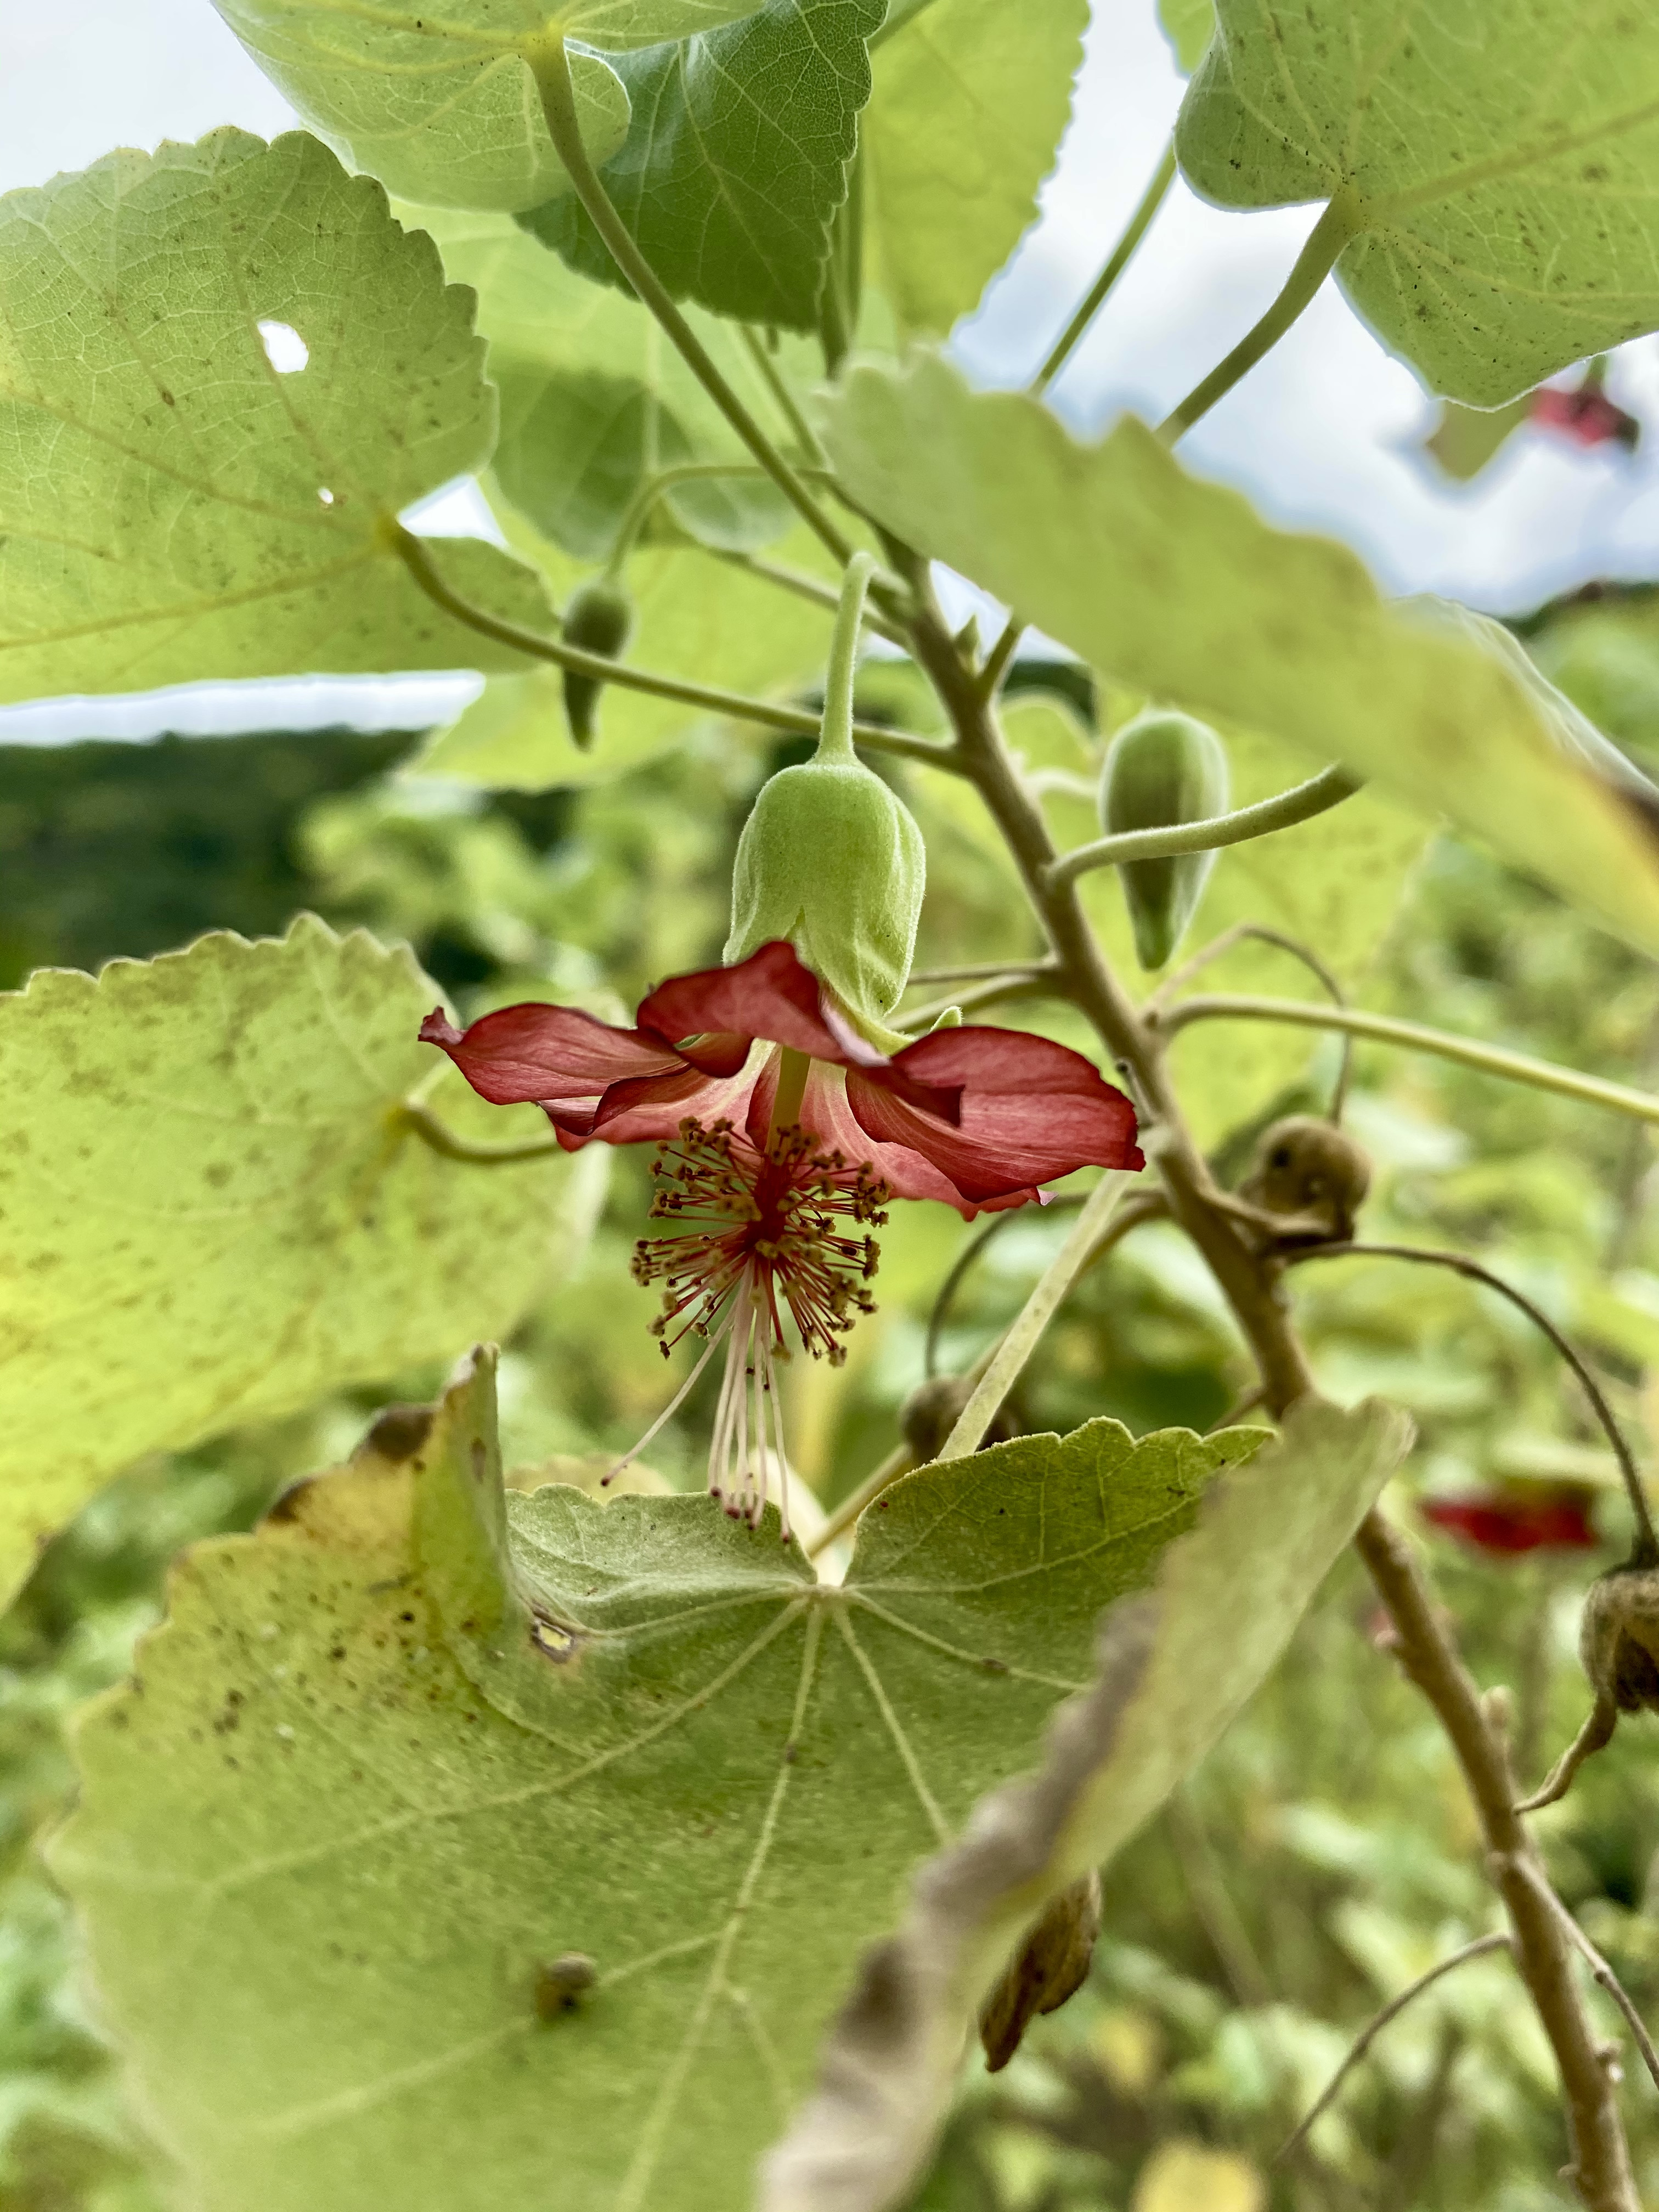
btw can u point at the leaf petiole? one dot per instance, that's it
(1118, 260)
(416, 1121)
(1345, 217)
(559, 106)
(412, 552)
(1414, 1036)
(1300, 804)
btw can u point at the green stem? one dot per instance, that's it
(1382, 1029)
(559, 106)
(1122, 254)
(412, 552)
(803, 587)
(835, 740)
(777, 384)
(1343, 220)
(657, 484)
(1022, 1340)
(1300, 804)
(420, 1122)
(998, 660)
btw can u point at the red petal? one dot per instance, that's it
(1031, 1109)
(544, 1055)
(650, 1112)
(770, 995)
(1507, 1525)
(1588, 417)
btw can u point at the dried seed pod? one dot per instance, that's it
(562, 1983)
(598, 619)
(1619, 1649)
(932, 1410)
(1307, 1167)
(1051, 1965)
(1163, 769)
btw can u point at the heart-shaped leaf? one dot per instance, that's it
(441, 99)
(197, 482)
(1496, 167)
(735, 160)
(209, 1214)
(433, 1804)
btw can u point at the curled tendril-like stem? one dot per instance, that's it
(1645, 1552)
(1595, 1736)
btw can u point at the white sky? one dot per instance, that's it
(1320, 435)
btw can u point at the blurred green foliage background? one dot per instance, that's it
(1325, 1854)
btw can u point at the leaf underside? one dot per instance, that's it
(385, 1758)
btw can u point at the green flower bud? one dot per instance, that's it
(1163, 769)
(831, 858)
(598, 619)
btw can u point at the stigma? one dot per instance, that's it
(758, 1237)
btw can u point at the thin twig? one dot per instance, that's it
(413, 552)
(1213, 1903)
(1001, 653)
(1413, 1036)
(1482, 1946)
(416, 1120)
(1342, 220)
(777, 384)
(898, 1462)
(1116, 262)
(1646, 1553)
(803, 587)
(1036, 983)
(1262, 935)
(1282, 811)
(1598, 1965)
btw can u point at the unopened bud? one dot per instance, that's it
(599, 619)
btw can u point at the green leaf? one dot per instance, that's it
(208, 1215)
(699, 618)
(407, 1744)
(735, 160)
(441, 99)
(594, 399)
(1499, 161)
(1189, 25)
(1465, 439)
(1178, 588)
(970, 102)
(1172, 1669)
(175, 506)
(1335, 883)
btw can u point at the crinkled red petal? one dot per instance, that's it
(542, 1056)
(770, 995)
(1508, 1526)
(1031, 1109)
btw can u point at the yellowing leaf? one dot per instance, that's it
(1497, 162)
(223, 367)
(1172, 1668)
(1178, 588)
(970, 98)
(1185, 2177)
(414, 1740)
(208, 1216)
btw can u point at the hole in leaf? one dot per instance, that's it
(285, 350)
(325, 494)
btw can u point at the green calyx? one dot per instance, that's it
(1163, 769)
(599, 619)
(830, 857)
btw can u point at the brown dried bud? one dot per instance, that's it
(1311, 1168)
(1619, 1637)
(1619, 1648)
(932, 1410)
(562, 1983)
(1051, 1965)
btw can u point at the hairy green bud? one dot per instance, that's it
(599, 619)
(1163, 769)
(831, 858)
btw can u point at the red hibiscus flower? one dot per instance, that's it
(1503, 1523)
(978, 1117)
(782, 1135)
